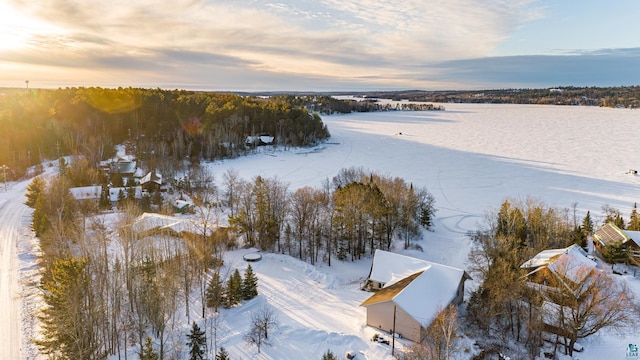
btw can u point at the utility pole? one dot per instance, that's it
(393, 332)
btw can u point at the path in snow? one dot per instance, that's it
(12, 211)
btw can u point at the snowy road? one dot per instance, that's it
(12, 211)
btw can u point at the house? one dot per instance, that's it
(152, 181)
(86, 193)
(182, 206)
(118, 193)
(559, 277)
(124, 166)
(550, 266)
(610, 234)
(149, 224)
(411, 291)
(259, 140)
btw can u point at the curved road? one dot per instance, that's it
(12, 211)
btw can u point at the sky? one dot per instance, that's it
(319, 45)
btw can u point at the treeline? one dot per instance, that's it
(353, 215)
(160, 125)
(507, 308)
(331, 105)
(623, 96)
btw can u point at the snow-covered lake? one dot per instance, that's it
(474, 156)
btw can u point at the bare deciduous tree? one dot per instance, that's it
(441, 337)
(586, 301)
(261, 323)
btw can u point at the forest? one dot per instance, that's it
(163, 127)
(622, 96)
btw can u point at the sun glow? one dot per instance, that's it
(10, 23)
(16, 28)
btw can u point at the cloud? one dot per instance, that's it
(329, 31)
(298, 44)
(604, 67)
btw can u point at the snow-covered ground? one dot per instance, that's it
(471, 157)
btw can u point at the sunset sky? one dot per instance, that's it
(247, 45)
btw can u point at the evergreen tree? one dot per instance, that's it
(34, 190)
(214, 294)
(117, 180)
(587, 224)
(62, 167)
(197, 342)
(615, 253)
(148, 352)
(234, 289)
(131, 192)
(67, 330)
(511, 223)
(634, 219)
(329, 355)
(120, 195)
(105, 201)
(223, 354)
(613, 216)
(619, 222)
(40, 220)
(579, 237)
(249, 284)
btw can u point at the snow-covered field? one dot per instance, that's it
(471, 157)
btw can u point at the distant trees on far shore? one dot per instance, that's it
(158, 125)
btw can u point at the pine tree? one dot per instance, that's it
(67, 330)
(249, 284)
(634, 219)
(613, 216)
(587, 224)
(215, 292)
(223, 354)
(579, 237)
(40, 220)
(615, 253)
(329, 355)
(196, 343)
(105, 201)
(148, 352)
(619, 222)
(62, 167)
(34, 190)
(234, 289)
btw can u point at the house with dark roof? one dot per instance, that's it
(410, 292)
(124, 166)
(610, 235)
(151, 181)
